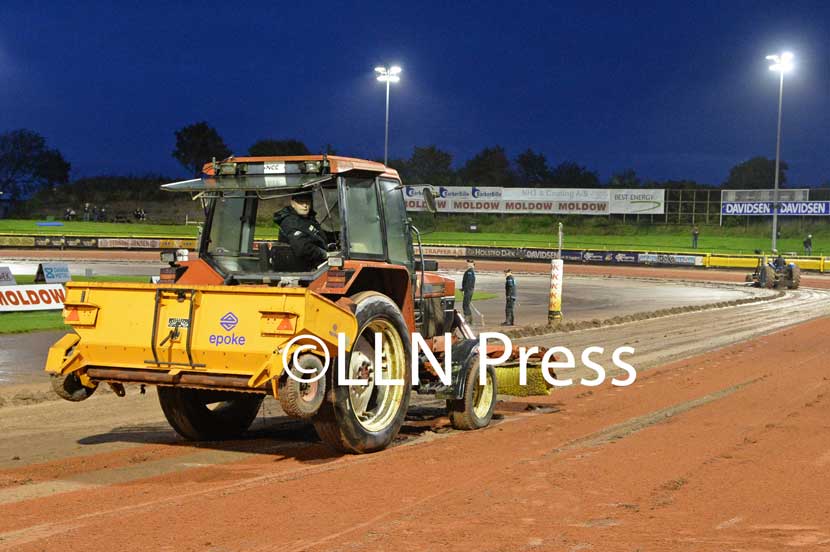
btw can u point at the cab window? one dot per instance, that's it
(364, 233)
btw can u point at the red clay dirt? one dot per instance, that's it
(729, 450)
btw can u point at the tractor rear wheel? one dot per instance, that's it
(767, 277)
(795, 279)
(203, 415)
(475, 409)
(367, 418)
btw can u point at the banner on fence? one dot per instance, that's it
(785, 208)
(128, 243)
(17, 241)
(753, 196)
(636, 201)
(554, 201)
(668, 259)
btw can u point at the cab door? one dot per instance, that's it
(398, 238)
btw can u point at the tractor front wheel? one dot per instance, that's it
(475, 409)
(360, 418)
(767, 277)
(203, 415)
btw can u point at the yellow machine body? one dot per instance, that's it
(224, 337)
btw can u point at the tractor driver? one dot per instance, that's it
(779, 261)
(299, 229)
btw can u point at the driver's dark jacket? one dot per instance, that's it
(303, 234)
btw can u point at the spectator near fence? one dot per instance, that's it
(808, 245)
(695, 235)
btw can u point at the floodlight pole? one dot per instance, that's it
(387, 76)
(777, 164)
(386, 131)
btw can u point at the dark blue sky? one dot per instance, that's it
(672, 90)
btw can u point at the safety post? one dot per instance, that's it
(557, 269)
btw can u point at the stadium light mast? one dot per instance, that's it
(782, 63)
(388, 76)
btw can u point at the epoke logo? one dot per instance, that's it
(229, 321)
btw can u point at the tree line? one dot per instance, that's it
(28, 165)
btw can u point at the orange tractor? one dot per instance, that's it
(217, 333)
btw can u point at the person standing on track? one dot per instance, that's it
(468, 286)
(509, 298)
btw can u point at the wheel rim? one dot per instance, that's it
(483, 397)
(376, 406)
(308, 391)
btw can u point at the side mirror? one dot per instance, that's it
(429, 199)
(427, 266)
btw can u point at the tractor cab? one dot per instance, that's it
(358, 207)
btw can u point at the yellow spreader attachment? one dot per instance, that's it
(508, 380)
(220, 337)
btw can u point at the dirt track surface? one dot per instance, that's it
(727, 450)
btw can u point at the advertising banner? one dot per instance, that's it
(751, 196)
(555, 201)
(17, 241)
(536, 254)
(660, 258)
(444, 251)
(495, 252)
(30, 298)
(177, 244)
(86, 243)
(49, 241)
(785, 208)
(6, 277)
(636, 201)
(52, 273)
(128, 243)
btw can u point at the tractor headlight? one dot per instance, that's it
(172, 256)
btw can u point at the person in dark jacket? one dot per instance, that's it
(808, 245)
(509, 297)
(299, 229)
(468, 286)
(779, 261)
